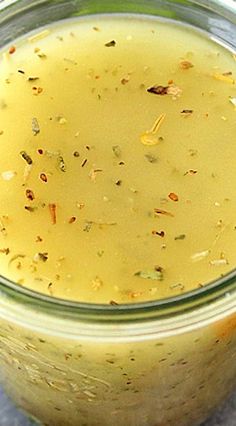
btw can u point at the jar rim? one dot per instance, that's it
(214, 291)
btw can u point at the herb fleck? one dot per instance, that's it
(151, 158)
(186, 65)
(158, 90)
(125, 80)
(190, 172)
(159, 233)
(84, 162)
(186, 112)
(97, 284)
(41, 256)
(53, 212)
(61, 120)
(224, 78)
(149, 137)
(38, 239)
(178, 285)
(150, 275)
(30, 209)
(111, 43)
(61, 164)
(117, 151)
(87, 226)
(37, 90)
(29, 194)
(232, 100)
(163, 212)
(180, 237)
(35, 126)
(113, 303)
(196, 257)
(33, 78)
(93, 174)
(80, 205)
(26, 157)
(219, 262)
(172, 90)
(72, 219)
(5, 251)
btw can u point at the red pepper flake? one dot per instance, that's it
(173, 196)
(40, 151)
(12, 50)
(164, 212)
(52, 211)
(43, 177)
(72, 219)
(160, 233)
(29, 194)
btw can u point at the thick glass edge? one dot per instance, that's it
(217, 290)
(212, 292)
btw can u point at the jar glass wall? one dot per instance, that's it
(153, 364)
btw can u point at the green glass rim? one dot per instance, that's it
(211, 292)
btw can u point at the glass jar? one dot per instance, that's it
(163, 363)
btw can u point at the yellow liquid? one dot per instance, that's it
(130, 195)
